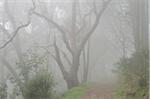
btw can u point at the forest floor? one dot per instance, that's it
(100, 91)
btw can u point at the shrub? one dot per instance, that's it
(39, 87)
(134, 74)
(3, 91)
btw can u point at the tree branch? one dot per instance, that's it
(63, 32)
(84, 22)
(58, 58)
(18, 28)
(14, 34)
(98, 16)
(66, 57)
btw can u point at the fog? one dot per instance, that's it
(76, 41)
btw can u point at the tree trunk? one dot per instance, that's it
(73, 45)
(86, 62)
(72, 80)
(140, 23)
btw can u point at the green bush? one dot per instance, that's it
(3, 91)
(39, 87)
(134, 76)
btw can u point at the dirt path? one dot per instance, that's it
(99, 91)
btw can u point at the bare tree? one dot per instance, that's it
(13, 38)
(73, 44)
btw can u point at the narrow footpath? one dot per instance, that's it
(100, 91)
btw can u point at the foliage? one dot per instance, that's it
(3, 92)
(32, 61)
(75, 92)
(30, 64)
(39, 87)
(134, 76)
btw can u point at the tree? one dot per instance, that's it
(14, 39)
(134, 82)
(140, 23)
(122, 27)
(75, 39)
(133, 70)
(86, 61)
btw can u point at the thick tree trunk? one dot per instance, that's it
(72, 80)
(72, 77)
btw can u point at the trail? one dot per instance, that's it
(100, 91)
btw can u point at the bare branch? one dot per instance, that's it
(84, 22)
(58, 58)
(94, 7)
(18, 28)
(63, 32)
(14, 34)
(67, 43)
(66, 57)
(98, 16)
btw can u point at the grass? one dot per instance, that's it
(76, 92)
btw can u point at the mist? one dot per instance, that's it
(74, 49)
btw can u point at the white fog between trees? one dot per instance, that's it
(75, 41)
